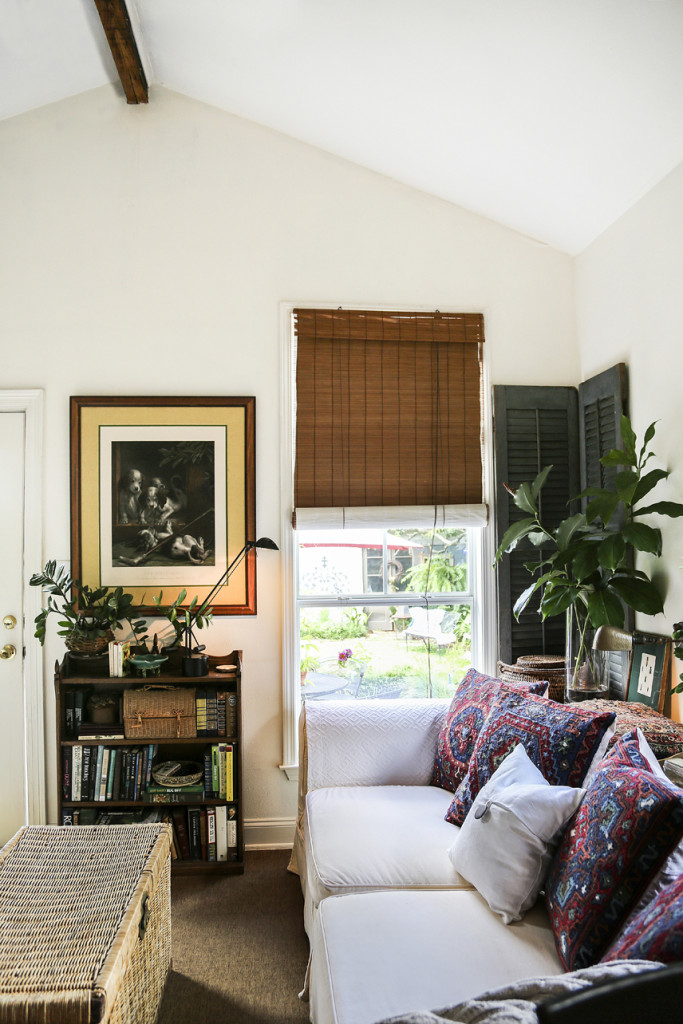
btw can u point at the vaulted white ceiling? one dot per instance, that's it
(550, 116)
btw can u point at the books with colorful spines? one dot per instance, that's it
(221, 833)
(220, 712)
(173, 795)
(76, 771)
(215, 775)
(194, 815)
(200, 711)
(67, 756)
(98, 773)
(225, 771)
(180, 823)
(211, 713)
(211, 833)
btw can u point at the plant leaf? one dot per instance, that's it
(617, 458)
(602, 508)
(628, 437)
(673, 509)
(585, 561)
(641, 595)
(523, 498)
(557, 599)
(513, 535)
(568, 528)
(539, 481)
(605, 609)
(611, 551)
(643, 538)
(647, 482)
(626, 484)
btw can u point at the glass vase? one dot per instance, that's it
(587, 669)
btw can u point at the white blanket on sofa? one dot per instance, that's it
(516, 1004)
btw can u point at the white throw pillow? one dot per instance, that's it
(507, 841)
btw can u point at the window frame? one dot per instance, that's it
(482, 578)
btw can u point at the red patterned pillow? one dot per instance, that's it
(664, 736)
(656, 933)
(561, 740)
(627, 753)
(464, 719)
(629, 822)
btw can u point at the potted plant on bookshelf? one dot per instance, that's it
(586, 569)
(88, 615)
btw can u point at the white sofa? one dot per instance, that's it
(392, 926)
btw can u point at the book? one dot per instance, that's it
(194, 815)
(215, 779)
(221, 833)
(232, 830)
(211, 713)
(66, 773)
(200, 711)
(225, 771)
(102, 794)
(196, 788)
(76, 771)
(93, 731)
(203, 832)
(211, 833)
(231, 714)
(208, 772)
(87, 816)
(85, 773)
(69, 698)
(220, 712)
(79, 709)
(181, 831)
(113, 758)
(67, 816)
(116, 784)
(179, 797)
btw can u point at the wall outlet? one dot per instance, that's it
(646, 675)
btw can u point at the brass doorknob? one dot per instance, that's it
(9, 622)
(8, 651)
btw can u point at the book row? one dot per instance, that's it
(215, 713)
(100, 773)
(199, 833)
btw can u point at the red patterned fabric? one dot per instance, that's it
(468, 711)
(656, 933)
(629, 822)
(664, 736)
(626, 752)
(561, 740)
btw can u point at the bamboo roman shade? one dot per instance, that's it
(388, 410)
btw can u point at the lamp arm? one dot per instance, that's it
(233, 565)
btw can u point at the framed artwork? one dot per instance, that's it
(649, 671)
(163, 497)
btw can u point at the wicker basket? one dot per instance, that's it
(152, 713)
(533, 668)
(86, 924)
(89, 647)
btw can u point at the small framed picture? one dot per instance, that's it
(650, 666)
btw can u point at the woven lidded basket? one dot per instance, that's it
(152, 713)
(533, 668)
(86, 924)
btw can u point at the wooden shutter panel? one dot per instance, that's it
(534, 427)
(388, 408)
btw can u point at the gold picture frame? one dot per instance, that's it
(163, 497)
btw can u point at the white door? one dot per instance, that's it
(13, 803)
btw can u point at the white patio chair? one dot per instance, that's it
(425, 624)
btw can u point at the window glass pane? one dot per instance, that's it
(386, 651)
(373, 561)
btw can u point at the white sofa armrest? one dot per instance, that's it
(372, 742)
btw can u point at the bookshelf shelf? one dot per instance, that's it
(205, 824)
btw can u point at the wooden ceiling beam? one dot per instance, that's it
(119, 32)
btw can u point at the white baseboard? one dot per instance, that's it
(269, 833)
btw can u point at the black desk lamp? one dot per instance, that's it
(194, 662)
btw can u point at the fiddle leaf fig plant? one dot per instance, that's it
(587, 561)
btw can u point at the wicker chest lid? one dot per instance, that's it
(71, 902)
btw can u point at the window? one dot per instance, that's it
(383, 473)
(384, 613)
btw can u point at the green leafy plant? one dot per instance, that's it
(437, 576)
(179, 617)
(587, 561)
(86, 612)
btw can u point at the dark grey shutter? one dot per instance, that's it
(534, 427)
(602, 401)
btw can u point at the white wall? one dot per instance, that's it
(147, 250)
(630, 308)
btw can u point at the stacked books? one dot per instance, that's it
(119, 653)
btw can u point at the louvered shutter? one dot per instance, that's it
(534, 427)
(602, 401)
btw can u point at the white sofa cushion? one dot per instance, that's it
(374, 955)
(508, 839)
(360, 838)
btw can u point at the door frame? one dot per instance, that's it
(30, 402)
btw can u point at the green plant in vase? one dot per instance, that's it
(89, 615)
(586, 565)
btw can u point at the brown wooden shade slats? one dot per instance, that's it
(388, 408)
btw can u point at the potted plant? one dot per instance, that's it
(88, 615)
(586, 569)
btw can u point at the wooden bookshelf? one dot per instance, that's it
(80, 677)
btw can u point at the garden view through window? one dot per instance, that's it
(383, 613)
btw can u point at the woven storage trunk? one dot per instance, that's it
(85, 924)
(532, 668)
(155, 714)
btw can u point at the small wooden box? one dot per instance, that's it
(86, 924)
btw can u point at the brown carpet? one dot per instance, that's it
(239, 947)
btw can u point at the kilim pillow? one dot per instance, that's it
(664, 736)
(561, 740)
(629, 822)
(631, 751)
(466, 715)
(656, 933)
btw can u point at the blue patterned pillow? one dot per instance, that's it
(468, 711)
(561, 740)
(629, 822)
(656, 933)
